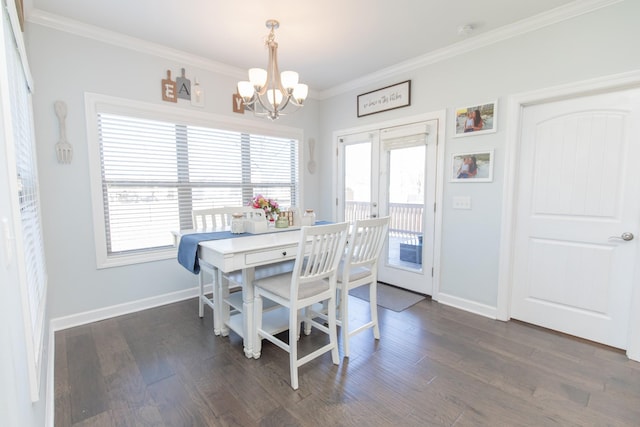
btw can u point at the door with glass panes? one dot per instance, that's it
(392, 172)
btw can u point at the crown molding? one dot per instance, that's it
(559, 14)
(60, 23)
(554, 16)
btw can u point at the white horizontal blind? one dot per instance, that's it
(154, 172)
(29, 239)
(404, 136)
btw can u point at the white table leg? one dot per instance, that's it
(201, 294)
(248, 275)
(221, 312)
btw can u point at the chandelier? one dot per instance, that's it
(268, 92)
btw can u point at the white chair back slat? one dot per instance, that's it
(366, 242)
(319, 258)
(216, 219)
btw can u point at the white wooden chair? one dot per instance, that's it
(313, 280)
(215, 219)
(359, 267)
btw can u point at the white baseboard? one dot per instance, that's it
(468, 305)
(78, 319)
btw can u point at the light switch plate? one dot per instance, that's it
(462, 202)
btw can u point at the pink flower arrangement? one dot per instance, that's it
(269, 206)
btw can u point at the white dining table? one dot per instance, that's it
(244, 253)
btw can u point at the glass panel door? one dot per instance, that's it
(407, 195)
(392, 172)
(357, 177)
(357, 181)
(406, 207)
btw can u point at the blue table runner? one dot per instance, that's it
(188, 247)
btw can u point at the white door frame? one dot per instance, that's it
(516, 104)
(440, 167)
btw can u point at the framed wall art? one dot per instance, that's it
(475, 166)
(476, 119)
(20, 10)
(387, 98)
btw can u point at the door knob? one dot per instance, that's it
(626, 236)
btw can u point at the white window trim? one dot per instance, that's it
(108, 104)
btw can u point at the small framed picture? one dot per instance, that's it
(476, 166)
(476, 119)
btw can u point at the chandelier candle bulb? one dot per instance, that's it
(258, 78)
(300, 93)
(289, 80)
(274, 94)
(245, 89)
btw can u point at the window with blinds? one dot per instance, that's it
(28, 231)
(155, 171)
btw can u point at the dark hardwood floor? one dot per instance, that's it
(434, 365)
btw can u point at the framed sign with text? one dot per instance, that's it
(387, 98)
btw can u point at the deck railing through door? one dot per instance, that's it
(406, 218)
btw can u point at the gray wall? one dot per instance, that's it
(592, 45)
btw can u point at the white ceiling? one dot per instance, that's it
(329, 42)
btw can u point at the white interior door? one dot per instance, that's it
(578, 214)
(393, 172)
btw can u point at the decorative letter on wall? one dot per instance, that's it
(184, 86)
(238, 105)
(169, 89)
